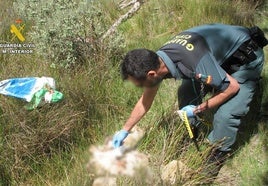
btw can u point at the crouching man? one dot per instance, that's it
(228, 59)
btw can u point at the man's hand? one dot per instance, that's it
(119, 138)
(189, 110)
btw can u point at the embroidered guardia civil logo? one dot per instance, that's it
(17, 32)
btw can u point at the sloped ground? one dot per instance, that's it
(249, 165)
(103, 102)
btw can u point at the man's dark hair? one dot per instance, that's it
(137, 63)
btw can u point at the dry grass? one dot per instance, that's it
(28, 139)
(49, 146)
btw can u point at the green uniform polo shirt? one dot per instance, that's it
(202, 50)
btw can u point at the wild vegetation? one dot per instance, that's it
(49, 146)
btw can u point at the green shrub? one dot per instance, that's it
(66, 31)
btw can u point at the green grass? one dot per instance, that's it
(49, 146)
(150, 28)
(158, 20)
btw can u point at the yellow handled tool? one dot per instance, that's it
(187, 124)
(184, 118)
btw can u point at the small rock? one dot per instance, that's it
(134, 137)
(105, 181)
(174, 170)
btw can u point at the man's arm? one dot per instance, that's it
(142, 106)
(221, 97)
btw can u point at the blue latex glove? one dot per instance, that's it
(119, 138)
(189, 110)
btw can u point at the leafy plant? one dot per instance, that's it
(67, 31)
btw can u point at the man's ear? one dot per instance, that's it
(151, 74)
